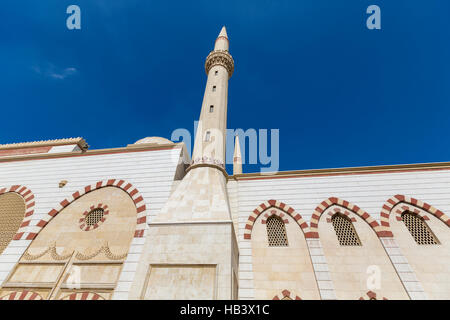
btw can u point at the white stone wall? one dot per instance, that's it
(151, 172)
(369, 191)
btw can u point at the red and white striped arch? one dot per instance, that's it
(274, 204)
(273, 212)
(28, 197)
(86, 295)
(333, 201)
(132, 191)
(22, 295)
(406, 207)
(410, 204)
(339, 210)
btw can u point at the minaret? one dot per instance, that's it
(202, 194)
(210, 143)
(195, 227)
(237, 158)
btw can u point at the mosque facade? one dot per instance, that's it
(147, 221)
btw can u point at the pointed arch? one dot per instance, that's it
(333, 201)
(410, 204)
(286, 294)
(28, 198)
(274, 204)
(132, 191)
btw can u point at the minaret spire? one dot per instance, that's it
(202, 194)
(222, 42)
(196, 219)
(237, 158)
(209, 147)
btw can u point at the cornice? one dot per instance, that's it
(56, 142)
(135, 148)
(344, 171)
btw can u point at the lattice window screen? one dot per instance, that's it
(12, 211)
(345, 231)
(418, 229)
(276, 232)
(94, 216)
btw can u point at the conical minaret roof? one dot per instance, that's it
(223, 32)
(222, 40)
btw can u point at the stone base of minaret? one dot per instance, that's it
(191, 250)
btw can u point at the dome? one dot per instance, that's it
(154, 140)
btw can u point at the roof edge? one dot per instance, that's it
(56, 142)
(93, 152)
(343, 171)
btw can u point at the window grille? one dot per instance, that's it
(345, 231)
(211, 108)
(418, 229)
(94, 216)
(276, 232)
(12, 210)
(214, 89)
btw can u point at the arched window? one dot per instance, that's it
(345, 231)
(418, 229)
(12, 211)
(276, 232)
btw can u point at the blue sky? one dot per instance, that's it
(341, 95)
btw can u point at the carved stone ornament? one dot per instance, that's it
(220, 58)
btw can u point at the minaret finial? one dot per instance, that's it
(223, 32)
(222, 42)
(237, 158)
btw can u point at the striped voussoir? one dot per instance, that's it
(86, 295)
(339, 210)
(370, 295)
(333, 201)
(28, 197)
(274, 204)
(274, 212)
(22, 295)
(127, 187)
(286, 294)
(409, 204)
(412, 209)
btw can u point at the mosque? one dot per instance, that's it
(146, 221)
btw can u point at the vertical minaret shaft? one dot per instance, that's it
(210, 141)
